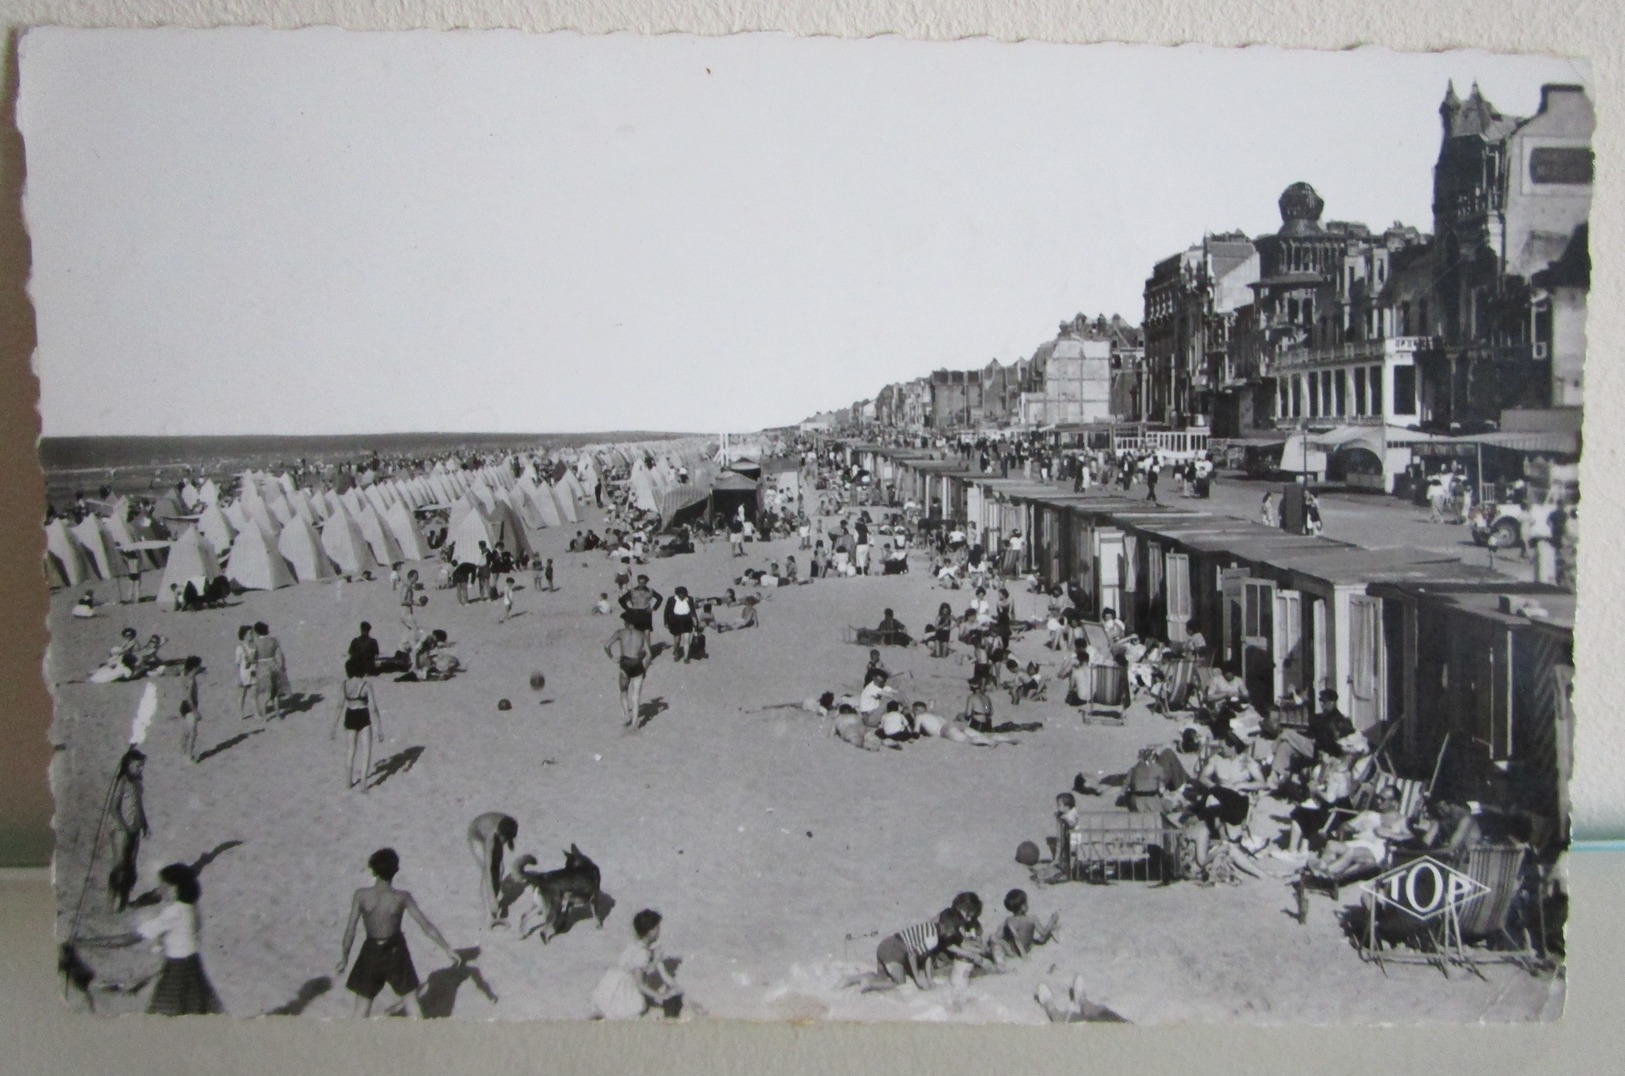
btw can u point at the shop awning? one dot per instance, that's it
(1538, 442)
(1251, 440)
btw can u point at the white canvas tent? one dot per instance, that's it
(64, 558)
(253, 564)
(216, 528)
(345, 544)
(567, 503)
(547, 509)
(382, 543)
(191, 560)
(92, 535)
(403, 526)
(302, 548)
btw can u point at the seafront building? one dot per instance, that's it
(1330, 350)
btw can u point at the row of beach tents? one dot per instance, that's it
(273, 533)
(272, 536)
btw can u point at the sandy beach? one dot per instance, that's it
(778, 854)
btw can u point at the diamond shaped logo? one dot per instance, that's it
(1424, 888)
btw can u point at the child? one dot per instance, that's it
(508, 588)
(537, 575)
(602, 606)
(1066, 817)
(908, 954)
(1021, 931)
(641, 980)
(189, 737)
(548, 572)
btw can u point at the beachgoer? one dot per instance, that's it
(488, 835)
(364, 648)
(1021, 931)
(384, 959)
(641, 980)
(129, 817)
(358, 713)
(632, 644)
(680, 620)
(182, 989)
(191, 709)
(270, 673)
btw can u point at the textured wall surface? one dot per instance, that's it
(1589, 28)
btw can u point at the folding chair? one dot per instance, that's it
(1108, 689)
(1178, 677)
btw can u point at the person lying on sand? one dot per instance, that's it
(930, 724)
(1078, 1010)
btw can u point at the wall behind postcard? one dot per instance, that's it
(1588, 27)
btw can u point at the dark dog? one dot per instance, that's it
(557, 893)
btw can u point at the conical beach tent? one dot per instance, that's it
(92, 536)
(64, 558)
(253, 564)
(344, 542)
(379, 540)
(403, 526)
(216, 528)
(191, 560)
(567, 503)
(547, 509)
(466, 534)
(302, 548)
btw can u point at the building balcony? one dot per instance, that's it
(1360, 351)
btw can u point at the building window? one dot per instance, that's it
(1560, 164)
(1359, 390)
(1340, 383)
(1422, 317)
(1309, 312)
(1292, 311)
(1297, 398)
(1404, 390)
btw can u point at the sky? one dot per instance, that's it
(319, 231)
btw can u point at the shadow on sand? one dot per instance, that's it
(399, 762)
(300, 702)
(227, 744)
(651, 709)
(309, 991)
(439, 995)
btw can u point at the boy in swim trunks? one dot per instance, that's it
(632, 642)
(384, 959)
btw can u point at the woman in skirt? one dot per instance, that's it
(183, 989)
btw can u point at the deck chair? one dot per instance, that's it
(1108, 699)
(1499, 867)
(1178, 677)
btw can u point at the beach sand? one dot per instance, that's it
(778, 855)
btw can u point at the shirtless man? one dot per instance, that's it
(633, 643)
(384, 959)
(488, 835)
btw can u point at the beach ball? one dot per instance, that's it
(504, 704)
(537, 681)
(1027, 854)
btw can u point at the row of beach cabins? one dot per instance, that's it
(1465, 672)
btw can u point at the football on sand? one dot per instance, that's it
(537, 681)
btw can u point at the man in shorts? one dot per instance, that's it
(632, 642)
(640, 604)
(384, 959)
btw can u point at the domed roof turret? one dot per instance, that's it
(1300, 209)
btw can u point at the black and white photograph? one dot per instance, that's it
(670, 528)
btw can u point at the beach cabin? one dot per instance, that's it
(1299, 616)
(1483, 671)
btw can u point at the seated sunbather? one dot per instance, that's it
(1364, 843)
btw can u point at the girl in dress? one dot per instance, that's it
(183, 989)
(640, 981)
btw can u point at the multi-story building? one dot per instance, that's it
(1191, 300)
(1511, 197)
(956, 399)
(1073, 376)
